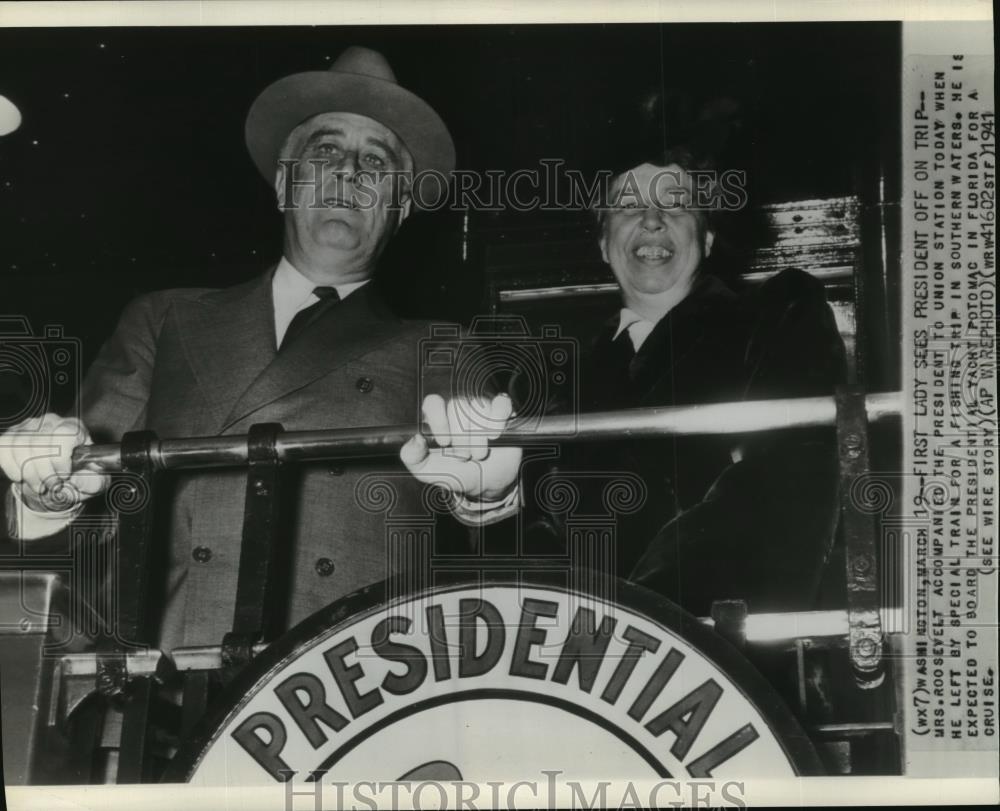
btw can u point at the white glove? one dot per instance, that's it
(465, 463)
(37, 456)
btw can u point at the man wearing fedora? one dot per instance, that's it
(309, 344)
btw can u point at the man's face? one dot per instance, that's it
(651, 238)
(346, 202)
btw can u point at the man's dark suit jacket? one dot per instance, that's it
(748, 517)
(204, 363)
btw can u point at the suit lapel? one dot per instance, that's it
(338, 335)
(228, 338)
(606, 383)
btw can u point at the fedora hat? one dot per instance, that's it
(359, 82)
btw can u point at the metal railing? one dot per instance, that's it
(350, 443)
(116, 670)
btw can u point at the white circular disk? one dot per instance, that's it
(10, 116)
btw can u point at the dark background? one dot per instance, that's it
(129, 172)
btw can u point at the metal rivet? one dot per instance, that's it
(866, 647)
(325, 567)
(852, 445)
(364, 384)
(202, 554)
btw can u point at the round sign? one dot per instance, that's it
(497, 681)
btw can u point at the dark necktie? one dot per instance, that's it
(327, 295)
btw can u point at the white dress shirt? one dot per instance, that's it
(637, 326)
(291, 292)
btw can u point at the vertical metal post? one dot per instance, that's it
(133, 757)
(800, 674)
(863, 619)
(261, 591)
(730, 618)
(196, 693)
(132, 497)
